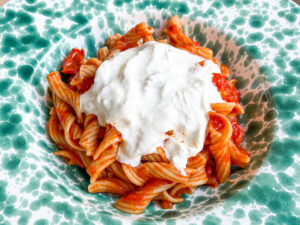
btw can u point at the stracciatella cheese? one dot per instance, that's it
(149, 90)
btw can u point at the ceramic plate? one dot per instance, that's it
(257, 39)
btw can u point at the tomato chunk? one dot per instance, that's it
(237, 132)
(228, 93)
(71, 64)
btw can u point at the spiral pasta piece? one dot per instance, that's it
(199, 160)
(223, 107)
(219, 146)
(167, 197)
(111, 136)
(75, 131)
(66, 118)
(111, 185)
(116, 169)
(65, 93)
(112, 40)
(89, 137)
(97, 166)
(85, 78)
(153, 157)
(131, 38)
(102, 53)
(56, 131)
(137, 176)
(148, 38)
(137, 201)
(86, 160)
(93, 62)
(176, 34)
(69, 157)
(165, 171)
(239, 156)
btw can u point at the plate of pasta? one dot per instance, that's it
(137, 112)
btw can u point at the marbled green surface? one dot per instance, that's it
(259, 40)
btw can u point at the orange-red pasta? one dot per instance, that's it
(89, 137)
(223, 107)
(56, 131)
(111, 185)
(167, 197)
(148, 38)
(132, 37)
(176, 34)
(100, 164)
(102, 53)
(69, 96)
(112, 40)
(85, 78)
(83, 142)
(137, 176)
(117, 171)
(66, 118)
(154, 157)
(75, 131)
(111, 136)
(165, 171)
(224, 70)
(239, 156)
(86, 160)
(219, 146)
(70, 157)
(137, 201)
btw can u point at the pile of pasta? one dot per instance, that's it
(83, 142)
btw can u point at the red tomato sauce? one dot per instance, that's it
(237, 132)
(228, 93)
(217, 122)
(71, 64)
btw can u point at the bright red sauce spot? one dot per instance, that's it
(85, 84)
(229, 93)
(237, 132)
(217, 122)
(71, 64)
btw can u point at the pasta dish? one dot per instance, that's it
(147, 119)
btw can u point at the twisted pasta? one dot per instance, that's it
(111, 136)
(102, 53)
(219, 145)
(89, 137)
(70, 157)
(137, 176)
(66, 118)
(56, 131)
(112, 40)
(111, 185)
(137, 201)
(83, 142)
(132, 37)
(116, 169)
(97, 166)
(60, 89)
(165, 171)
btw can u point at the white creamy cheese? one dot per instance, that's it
(149, 90)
